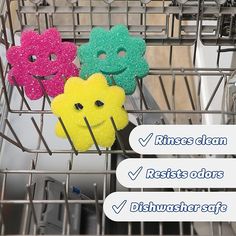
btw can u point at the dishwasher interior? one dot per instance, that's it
(47, 186)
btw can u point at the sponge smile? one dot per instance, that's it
(93, 126)
(47, 77)
(113, 72)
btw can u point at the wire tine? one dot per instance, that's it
(67, 135)
(4, 85)
(42, 109)
(45, 15)
(37, 16)
(92, 135)
(228, 121)
(33, 165)
(1, 206)
(191, 228)
(118, 136)
(164, 92)
(9, 140)
(109, 14)
(90, 14)
(67, 207)
(199, 85)
(2, 221)
(212, 229)
(189, 92)
(67, 183)
(44, 91)
(19, 18)
(51, 21)
(21, 93)
(24, 14)
(214, 93)
(22, 101)
(27, 213)
(198, 20)
(218, 56)
(194, 53)
(224, 103)
(1, 93)
(145, 20)
(73, 21)
(41, 136)
(172, 33)
(97, 208)
(190, 121)
(162, 120)
(220, 228)
(105, 184)
(181, 228)
(127, 14)
(26, 210)
(70, 162)
(141, 228)
(14, 134)
(28, 187)
(160, 228)
(129, 228)
(2, 40)
(198, 102)
(173, 85)
(141, 94)
(3, 185)
(173, 96)
(139, 120)
(10, 22)
(112, 79)
(77, 15)
(4, 31)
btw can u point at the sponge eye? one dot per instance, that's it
(52, 57)
(121, 52)
(99, 103)
(32, 58)
(79, 106)
(101, 55)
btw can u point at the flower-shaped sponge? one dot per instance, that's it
(95, 100)
(42, 57)
(116, 54)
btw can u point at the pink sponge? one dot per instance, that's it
(42, 57)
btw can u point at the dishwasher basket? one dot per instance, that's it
(47, 186)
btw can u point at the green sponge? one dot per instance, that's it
(116, 54)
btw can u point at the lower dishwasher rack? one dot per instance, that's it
(63, 193)
(46, 186)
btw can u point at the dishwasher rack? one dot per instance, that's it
(45, 186)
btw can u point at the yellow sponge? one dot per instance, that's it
(98, 102)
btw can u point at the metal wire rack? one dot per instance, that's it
(47, 186)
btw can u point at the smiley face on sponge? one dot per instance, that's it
(98, 102)
(116, 54)
(42, 60)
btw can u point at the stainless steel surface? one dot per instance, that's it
(167, 24)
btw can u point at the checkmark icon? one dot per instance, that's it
(117, 209)
(145, 141)
(134, 175)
